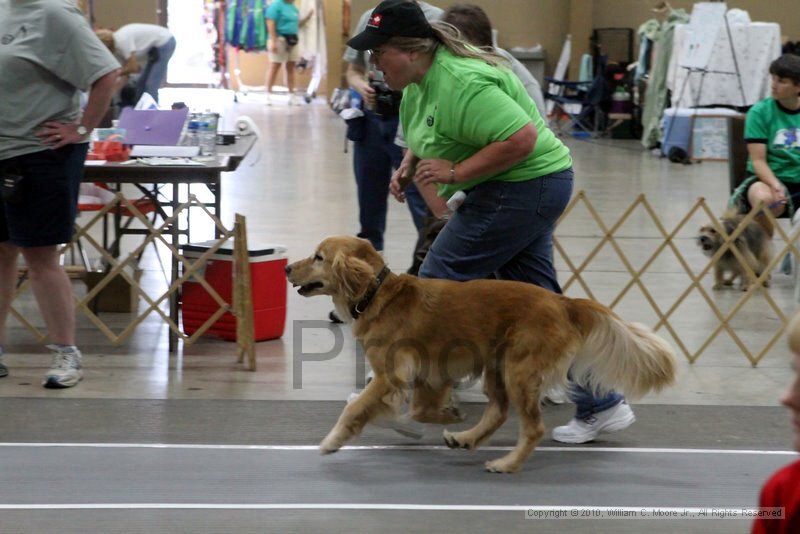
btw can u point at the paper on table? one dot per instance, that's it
(171, 161)
(95, 162)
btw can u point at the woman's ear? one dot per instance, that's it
(351, 276)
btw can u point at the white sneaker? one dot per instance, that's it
(66, 370)
(269, 99)
(293, 100)
(616, 418)
(556, 395)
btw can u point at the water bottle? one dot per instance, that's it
(208, 139)
(192, 136)
(208, 134)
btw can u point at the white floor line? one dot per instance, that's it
(729, 512)
(298, 448)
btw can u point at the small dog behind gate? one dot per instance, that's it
(754, 243)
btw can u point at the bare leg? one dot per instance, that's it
(760, 191)
(525, 397)
(290, 77)
(378, 398)
(8, 279)
(53, 292)
(272, 73)
(494, 416)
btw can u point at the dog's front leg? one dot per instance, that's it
(377, 399)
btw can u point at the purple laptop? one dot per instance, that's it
(153, 126)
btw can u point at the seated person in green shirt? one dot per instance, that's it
(772, 133)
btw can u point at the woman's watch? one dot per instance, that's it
(82, 130)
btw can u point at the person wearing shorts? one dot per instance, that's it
(43, 145)
(283, 23)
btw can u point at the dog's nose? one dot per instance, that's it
(288, 269)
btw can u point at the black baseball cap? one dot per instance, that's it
(392, 18)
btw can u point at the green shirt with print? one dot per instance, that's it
(464, 104)
(779, 128)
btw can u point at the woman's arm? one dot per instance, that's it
(305, 19)
(758, 155)
(57, 134)
(490, 160)
(404, 176)
(273, 36)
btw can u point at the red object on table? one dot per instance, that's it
(109, 151)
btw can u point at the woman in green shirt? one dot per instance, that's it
(470, 126)
(772, 133)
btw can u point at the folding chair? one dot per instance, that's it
(576, 106)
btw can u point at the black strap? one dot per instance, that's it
(358, 309)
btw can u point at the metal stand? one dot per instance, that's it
(703, 72)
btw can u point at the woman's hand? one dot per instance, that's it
(58, 134)
(434, 171)
(366, 91)
(396, 186)
(778, 194)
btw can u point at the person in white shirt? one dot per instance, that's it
(149, 45)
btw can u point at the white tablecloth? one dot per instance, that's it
(757, 44)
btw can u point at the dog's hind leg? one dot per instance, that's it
(524, 394)
(429, 405)
(379, 398)
(494, 415)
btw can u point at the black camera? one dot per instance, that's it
(387, 102)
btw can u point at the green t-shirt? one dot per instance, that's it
(286, 17)
(464, 104)
(778, 128)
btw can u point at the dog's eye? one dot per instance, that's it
(317, 257)
(712, 231)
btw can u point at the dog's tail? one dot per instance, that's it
(619, 355)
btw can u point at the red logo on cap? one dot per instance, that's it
(375, 21)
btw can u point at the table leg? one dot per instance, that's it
(217, 202)
(173, 298)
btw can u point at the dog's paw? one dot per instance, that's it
(501, 465)
(457, 441)
(329, 445)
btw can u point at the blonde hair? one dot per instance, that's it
(448, 36)
(107, 38)
(794, 334)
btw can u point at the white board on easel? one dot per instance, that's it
(707, 20)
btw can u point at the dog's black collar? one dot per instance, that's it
(357, 309)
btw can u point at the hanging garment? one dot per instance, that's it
(656, 95)
(246, 27)
(647, 35)
(313, 43)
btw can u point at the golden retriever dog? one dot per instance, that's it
(754, 244)
(426, 334)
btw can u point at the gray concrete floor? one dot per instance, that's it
(296, 188)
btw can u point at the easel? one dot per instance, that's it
(700, 65)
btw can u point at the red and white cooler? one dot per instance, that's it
(268, 280)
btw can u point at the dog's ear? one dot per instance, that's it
(352, 276)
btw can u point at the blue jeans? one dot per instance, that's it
(506, 229)
(158, 70)
(374, 158)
